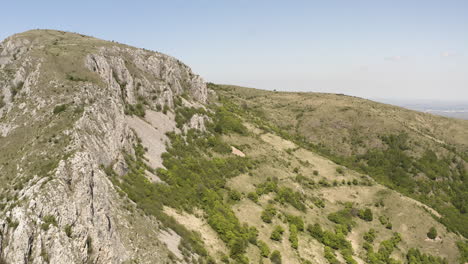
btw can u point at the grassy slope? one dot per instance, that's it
(277, 161)
(293, 167)
(349, 130)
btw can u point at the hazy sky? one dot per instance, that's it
(377, 49)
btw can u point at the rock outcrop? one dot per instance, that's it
(63, 105)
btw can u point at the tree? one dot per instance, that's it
(432, 234)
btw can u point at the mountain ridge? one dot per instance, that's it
(114, 154)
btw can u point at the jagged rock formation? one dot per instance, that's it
(63, 98)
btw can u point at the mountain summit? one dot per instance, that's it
(114, 154)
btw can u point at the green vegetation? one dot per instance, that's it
(366, 214)
(184, 114)
(386, 248)
(414, 256)
(432, 234)
(395, 168)
(384, 220)
(253, 196)
(264, 249)
(293, 236)
(275, 257)
(16, 88)
(283, 194)
(2, 101)
(137, 109)
(75, 78)
(68, 230)
(60, 108)
(194, 180)
(330, 255)
(404, 160)
(336, 240)
(370, 236)
(277, 233)
(344, 216)
(268, 214)
(463, 247)
(48, 220)
(296, 221)
(234, 195)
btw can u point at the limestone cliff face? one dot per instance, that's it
(62, 117)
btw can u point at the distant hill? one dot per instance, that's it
(443, 108)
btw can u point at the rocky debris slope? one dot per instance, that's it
(66, 102)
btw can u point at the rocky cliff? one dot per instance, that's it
(69, 106)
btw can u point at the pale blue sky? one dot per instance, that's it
(375, 49)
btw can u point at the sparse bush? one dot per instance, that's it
(293, 236)
(330, 255)
(137, 109)
(277, 233)
(234, 195)
(264, 249)
(366, 214)
(68, 230)
(47, 221)
(295, 220)
(60, 108)
(253, 196)
(275, 257)
(268, 214)
(89, 245)
(369, 236)
(72, 77)
(2, 102)
(432, 234)
(339, 170)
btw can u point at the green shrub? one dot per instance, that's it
(2, 102)
(463, 248)
(68, 230)
(47, 221)
(234, 195)
(366, 214)
(60, 108)
(369, 236)
(268, 214)
(226, 122)
(253, 196)
(432, 234)
(72, 77)
(275, 257)
(330, 255)
(264, 249)
(414, 256)
(137, 109)
(343, 217)
(293, 236)
(295, 220)
(277, 233)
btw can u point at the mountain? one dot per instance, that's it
(114, 154)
